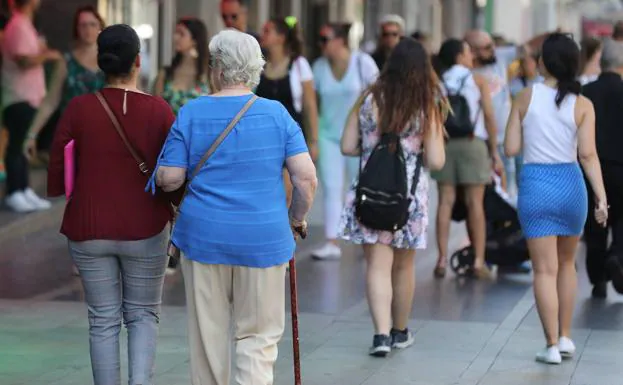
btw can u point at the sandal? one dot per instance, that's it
(439, 272)
(482, 273)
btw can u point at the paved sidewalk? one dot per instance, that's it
(467, 332)
(47, 344)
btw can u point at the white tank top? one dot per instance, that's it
(549, 131)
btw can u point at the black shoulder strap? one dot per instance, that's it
(462, 84)
(458, 90)
(416, 174)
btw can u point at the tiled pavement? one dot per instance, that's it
(46, 343)
(467, 332)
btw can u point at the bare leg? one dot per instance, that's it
(447, 197)
(477, 228)
(379, 286)
(567, 282)
(403, 287)
(544, 255)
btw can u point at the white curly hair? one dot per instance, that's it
(238, 58)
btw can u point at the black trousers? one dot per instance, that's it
(595, 236)
(17, 120)
(46, 136)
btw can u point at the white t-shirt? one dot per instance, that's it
(586, 79)
(299, 72)
(337, 97)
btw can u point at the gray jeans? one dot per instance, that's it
(122, 281)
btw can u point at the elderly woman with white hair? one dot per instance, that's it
(233, 226)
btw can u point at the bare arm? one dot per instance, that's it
(486, 104)
(170, 178)
(310, 108)
(303, 176)
(351, 140)
(52, 99)
(435, 146)
(587, 151)
(513, 139)
(159, 83)
(26, 62)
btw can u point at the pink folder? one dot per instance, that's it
(70, 169)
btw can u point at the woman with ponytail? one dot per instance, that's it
(554, 123)
(469, 158)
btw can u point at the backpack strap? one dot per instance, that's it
(416, 174)
(458, 90)
(462, 84)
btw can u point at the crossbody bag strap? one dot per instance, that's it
(215, 145)
(115, 122)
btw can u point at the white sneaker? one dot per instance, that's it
(550, 355)
(19, 203)
(36, 201)
(328, 251)
(566, 347)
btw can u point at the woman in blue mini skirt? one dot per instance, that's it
(554, 124)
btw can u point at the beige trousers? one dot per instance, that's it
(249, 301)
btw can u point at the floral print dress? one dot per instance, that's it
(413, 235)
(177, 98)
(80, 80)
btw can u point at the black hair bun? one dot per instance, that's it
(110, 63)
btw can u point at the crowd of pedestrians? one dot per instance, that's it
(230, 139)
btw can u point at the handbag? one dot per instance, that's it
(69, 169)
(172, 250)
(142, 166)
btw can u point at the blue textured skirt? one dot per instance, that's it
(552, 200)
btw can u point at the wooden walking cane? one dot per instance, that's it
(294, 309)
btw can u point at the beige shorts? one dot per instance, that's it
(467, 163)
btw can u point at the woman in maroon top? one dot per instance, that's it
(116, 230)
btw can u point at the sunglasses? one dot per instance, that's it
(232, 17)
(91, 24)
(390, 34)
(323, 40)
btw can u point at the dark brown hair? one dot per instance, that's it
(199, 33)
(294, 43)
(19, 4)
(341, 31)
(588, 48)
(86, 9)
(407, 88)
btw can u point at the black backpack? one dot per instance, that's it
(382, 202)
(459, 122)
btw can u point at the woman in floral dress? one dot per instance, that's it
(187, 76)
(404, 101)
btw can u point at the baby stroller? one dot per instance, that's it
(506, 245)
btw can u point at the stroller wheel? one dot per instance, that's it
(462, 261)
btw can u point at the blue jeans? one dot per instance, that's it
(122, 281)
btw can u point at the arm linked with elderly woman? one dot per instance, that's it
(234, 228)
